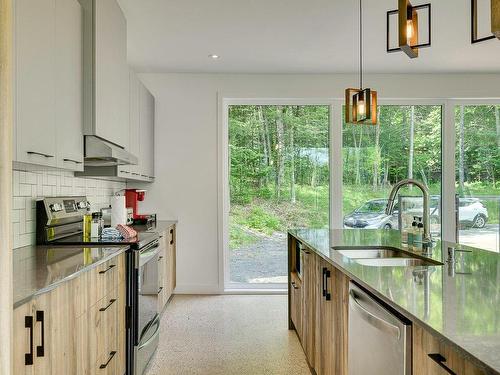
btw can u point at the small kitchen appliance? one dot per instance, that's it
(132, 199)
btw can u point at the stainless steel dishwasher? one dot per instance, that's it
(379, 341)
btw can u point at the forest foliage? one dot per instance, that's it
(279, 160)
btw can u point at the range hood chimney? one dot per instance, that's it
(101, 153)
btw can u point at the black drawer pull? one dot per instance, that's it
(111, 355)
(160, 289)
(72, 160)
(107, 269)
(439, 359)
(28, 357)
(111, 301)
(327, 295)
(40, 349)
(160, 258)
(39, 153)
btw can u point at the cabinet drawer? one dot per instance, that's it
(105, 278)
(432, 356)
(97, 333)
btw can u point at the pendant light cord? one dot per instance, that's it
(360, 45)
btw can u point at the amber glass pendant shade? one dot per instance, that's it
(495, 18)
(360, 106)
(408, 28)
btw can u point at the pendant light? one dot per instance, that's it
(361, 104)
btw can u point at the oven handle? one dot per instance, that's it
(147, 256)
(157, 324)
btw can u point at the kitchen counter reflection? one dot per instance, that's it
(39, 269)
(458, 301)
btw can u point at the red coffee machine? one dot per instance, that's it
(132, 197)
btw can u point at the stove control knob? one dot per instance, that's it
(82, 205)
(55, 207)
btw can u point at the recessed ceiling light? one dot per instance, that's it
(214, 56)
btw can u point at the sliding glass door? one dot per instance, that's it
(278, 179)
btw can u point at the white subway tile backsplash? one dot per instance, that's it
(29, 186)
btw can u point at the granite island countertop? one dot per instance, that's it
(39, 269)
(459, 302)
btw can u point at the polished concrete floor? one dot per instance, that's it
(227, 335)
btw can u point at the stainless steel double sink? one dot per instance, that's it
(381, 256)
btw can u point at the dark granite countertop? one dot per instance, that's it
(39, 269)
(459, 302)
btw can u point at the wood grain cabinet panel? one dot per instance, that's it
(432, 356)
(69, 332)
(309, 283)
(331, 320)
(296, 303)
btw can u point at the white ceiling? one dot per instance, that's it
(294, 36)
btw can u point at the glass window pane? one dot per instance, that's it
(278, 179)
(405, 144)
(477, 163)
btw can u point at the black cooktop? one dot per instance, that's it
(142, 239)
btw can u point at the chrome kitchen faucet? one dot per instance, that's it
(427, 240)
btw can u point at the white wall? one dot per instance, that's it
(186, 149)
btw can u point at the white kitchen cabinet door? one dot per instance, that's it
(132, 171)
(111, 73)
(147, 115)
(35, 82)
(69, 85)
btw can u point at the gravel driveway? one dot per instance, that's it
(262, 262)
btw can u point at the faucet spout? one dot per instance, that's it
(425, 192)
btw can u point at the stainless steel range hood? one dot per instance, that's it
(101, 153)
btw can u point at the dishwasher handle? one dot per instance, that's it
(373, 319)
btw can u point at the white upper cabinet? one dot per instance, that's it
(111, 83)
(147, 120)
(35, 56)
(69, 85)
(142, 114)
(48, 83)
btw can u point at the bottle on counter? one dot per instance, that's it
(418, 238)
(95, 228)
(87, 224)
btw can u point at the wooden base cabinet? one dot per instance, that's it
(77, 328)
(166, 267)
(296, 303)
(432, 356)
(309, 295)
(331, 320)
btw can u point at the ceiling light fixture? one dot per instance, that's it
(408, 33)
(214, 56)
(495, 18)
(360, 104)
(495, 22)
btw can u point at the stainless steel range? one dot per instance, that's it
(60, 222)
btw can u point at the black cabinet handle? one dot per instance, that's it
(172, 236)
(111, 301)
(40, 349)
(28, 357)
(160, 289)
(439, 359)
(111, 355)
(39, 153)
(323, 282)
(72, 160)
(326, 276)
(107, 269)
(160, 258)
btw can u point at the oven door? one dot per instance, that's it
(147, 289)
